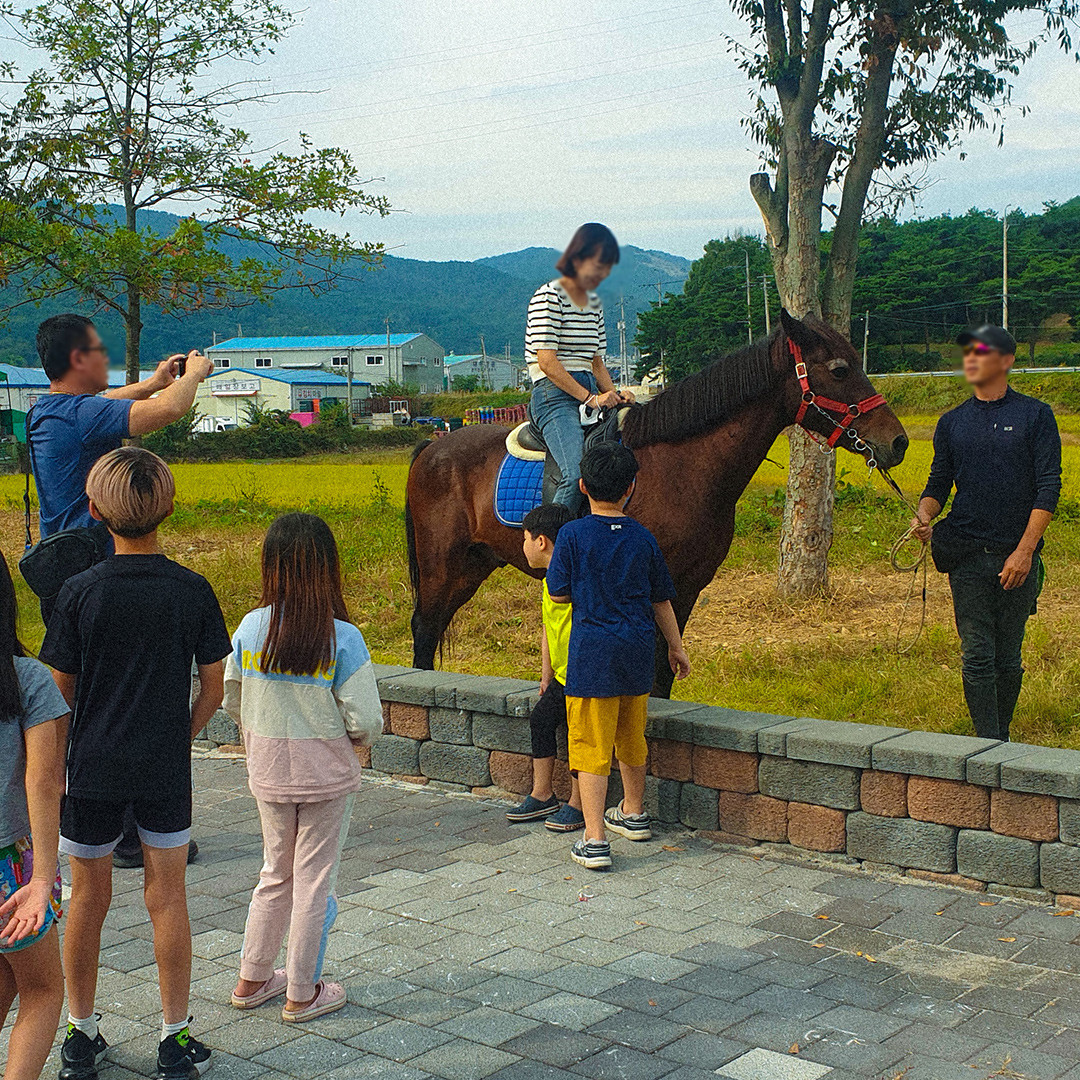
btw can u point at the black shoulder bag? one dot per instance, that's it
(46, 565)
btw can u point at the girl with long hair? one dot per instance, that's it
(300, 684)
(31, 767)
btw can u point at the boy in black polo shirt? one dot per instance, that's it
(122, 639)
(612, 570)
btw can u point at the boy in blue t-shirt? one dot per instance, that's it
(611, 568)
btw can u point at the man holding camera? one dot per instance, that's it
(77, 422)
(1002, 451)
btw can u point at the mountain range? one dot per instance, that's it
(453, 302)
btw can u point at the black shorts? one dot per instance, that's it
(91, 828)
(546, 719)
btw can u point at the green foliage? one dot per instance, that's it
(922, 281)
(709, 318)
(394, 389)
(932, 396)
(458, 404)
(171, 440)
(126, 110)
(467, 384)
(274, 434)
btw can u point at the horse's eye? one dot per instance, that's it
(839, 370)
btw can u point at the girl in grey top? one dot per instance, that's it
(31, 771)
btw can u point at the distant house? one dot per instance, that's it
(227, 393)
(372, 359)
(492, 372)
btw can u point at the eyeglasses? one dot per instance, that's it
(979, 349)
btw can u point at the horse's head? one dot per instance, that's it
(829, 394)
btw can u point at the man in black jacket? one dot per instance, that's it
(1002, 451)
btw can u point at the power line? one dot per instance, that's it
(466, 100)
(514, 84)
(488, 130)
(512, 43)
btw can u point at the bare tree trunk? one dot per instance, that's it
(132, 334)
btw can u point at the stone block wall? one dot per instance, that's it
(970, 811)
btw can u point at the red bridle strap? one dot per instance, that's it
(839, 412)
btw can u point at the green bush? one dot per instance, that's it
(272, 436)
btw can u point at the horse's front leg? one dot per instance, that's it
(683, 604)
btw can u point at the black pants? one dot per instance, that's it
(546, 718)
(991, 623)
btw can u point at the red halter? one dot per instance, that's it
(839, 413)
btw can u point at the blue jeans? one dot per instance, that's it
(556, 414)
(991, 623)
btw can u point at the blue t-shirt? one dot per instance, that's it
(68, 433)
(613, 571)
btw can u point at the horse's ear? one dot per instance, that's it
(796, 330)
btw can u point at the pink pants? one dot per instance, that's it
(301, 854)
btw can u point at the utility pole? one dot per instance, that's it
(348, 377)
(659, 291)
(749, 313)
(623, 374)
(765, 295)
(1005, 268)
(865, 340)
(483, 365)
(389, 362)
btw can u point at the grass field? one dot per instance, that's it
(833, 658)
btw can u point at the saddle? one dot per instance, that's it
(526, 442)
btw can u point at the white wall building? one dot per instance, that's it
(372, 359)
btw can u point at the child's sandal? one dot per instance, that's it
(273, 987)
(329, 998)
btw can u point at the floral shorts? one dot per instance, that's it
(16, 869)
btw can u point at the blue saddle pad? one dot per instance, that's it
(518, 489)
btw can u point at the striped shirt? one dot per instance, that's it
(555, 322)
(298, 728)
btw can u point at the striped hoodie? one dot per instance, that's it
(298, 729)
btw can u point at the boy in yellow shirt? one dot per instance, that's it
(540, 527)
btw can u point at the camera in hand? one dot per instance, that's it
(181, 366)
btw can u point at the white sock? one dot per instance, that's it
(88, 1026)
(172, 1029)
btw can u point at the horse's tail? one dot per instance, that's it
(410, 531)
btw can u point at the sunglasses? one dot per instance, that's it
(978, 349)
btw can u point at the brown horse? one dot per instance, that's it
(698, 445)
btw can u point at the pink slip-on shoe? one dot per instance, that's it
(329, 998)
(272, 988)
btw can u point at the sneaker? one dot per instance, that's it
(181, 1057)
(592, 854)
(533, 809)
(632, 826)
(79, 1056)
(125, 859)
(568, 819)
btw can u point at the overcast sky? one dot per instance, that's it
(499, 124)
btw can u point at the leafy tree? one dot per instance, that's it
(466, 384)
(710, 314)
(853, 100)
(125, 116)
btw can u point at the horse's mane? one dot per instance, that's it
(703, 400)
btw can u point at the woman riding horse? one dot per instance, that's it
(565, 343)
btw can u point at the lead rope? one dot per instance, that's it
(916, 568)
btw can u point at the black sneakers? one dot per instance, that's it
(181, 1057)
(79, 1056)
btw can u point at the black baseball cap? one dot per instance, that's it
(993, 337)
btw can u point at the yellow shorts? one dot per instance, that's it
(599, 725)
